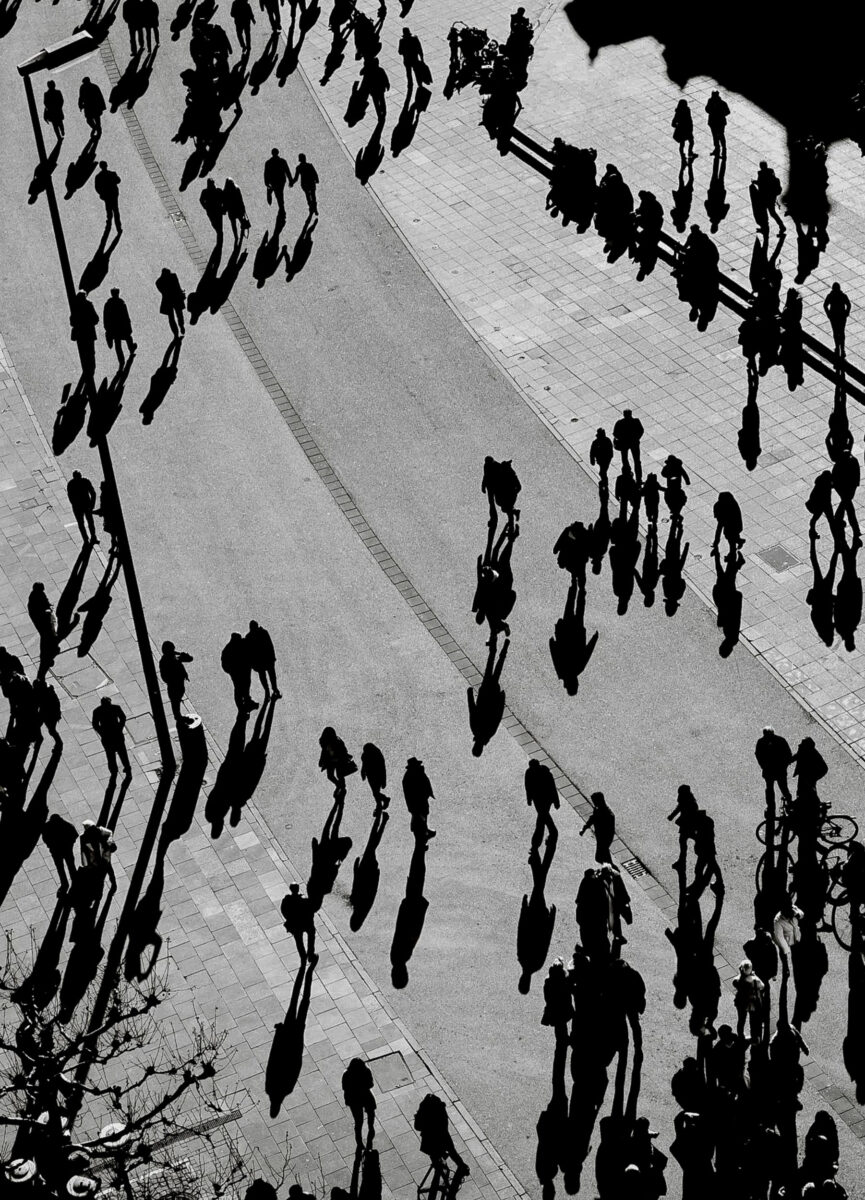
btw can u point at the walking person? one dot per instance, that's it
(765, 194)
(97, 845)
(235, 662)
(373, 769)
(106, 184)
(60, 836)
(543, 795)
(686, 816)
(212, 200)
(82, 497)
(357, 1083)
(728, 517)
(262, 659)
(118, 326)
(173, 302)
(837, 308)
(235, 210)
(244, 19)
(299, 919)
(41, 613)
(307, 176)
(773, 755)
(277, 174)
(335, 760)
(109, 722)
(750, 1002)
(91, 103)
(845, 480)
(601, 455)
(717, 112)
(52, 109)
(627, 434)
(48, 711)
(173, 673)
(83, 320)
(683, 131)
(602, 820)
(417, 790)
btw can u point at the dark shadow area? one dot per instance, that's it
(486, 709)
(161, 381)
(134, 81)
(537, 918)
(264, 65)
(299, 256)
(820, 596)
(88, 928)
(303, 18)
(93, 275)
(71, 414)
(42, 984)
(671, 569)
(181, 18)
(96, 607)
(286, 1051)
(748, 438)
(107, 402)
(412, 109)
(370, 157)
(99, 19)
(367, 873)
(8, 15)
(240, 771)
(411, 915)
(67, 618)
(80, 169)
(570, 647)
(716, 205)
(727, 599)
(214, 286)
(328, 853)
(269, 253)
(21, 823)
(42, 174)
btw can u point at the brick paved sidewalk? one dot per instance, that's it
(581, 339)
(220, 901)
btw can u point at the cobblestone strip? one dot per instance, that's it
(844, 1104)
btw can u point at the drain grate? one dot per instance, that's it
(198, 1130)
(635, 868)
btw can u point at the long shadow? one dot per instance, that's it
(20, 826)
(144, 939)
(42, 174)
(367, 873)
(67, 618)
(552, 1127)
(96, 607)
(134, 81)
(80, 169)
(854, 1041)
(487, 708)
(286, 1052)
(8, 15)
(228, 776)
(820, 596)
(672, 568)
(328, 853)
(93, 275)
(847, 610)
(716, 204)
(214, 286)
(537, 918)
(99, 19)
(181, 18)
(86, 935)
(749, 435)
(370, 157)
(269, 253)
(406, 127)
(728, 599)
(696, 980)
(302, 20)
(264, 65)
(570, 647)
(683, 198)
(106, 404)
(299, 256)
(42, 984)
(410, 917)
(625, 548)
(190, 780)
(161, 381)
(254, 761)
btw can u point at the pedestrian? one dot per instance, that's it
(244, 19)
(82, 497)
(60, 836)
(118, 326)
(212, 200)
(277, 174)
(785, 929)
(707, 871)
(728, 516)
(335, 760)
(601, 455)
(685, 814)
(132, 15)
(819, 503)
(542, 793)
(106, 184)
(91, 103)
(299, 919)
(717, 111)
(41, 612)
(150, 24)
(307, 176)
(773, 755)
(172, 671)
(810, 766)
(83, 319)
(109, 721)
(558, 999)
(411, 52)
(235, 661)
(417, 790)
(357, 1082)
(767, 187)
(235, 209)
(97, 846)
(845, 480)
(52, 109)
(683, 131)
(627, 435)
(262, 658)
(603, 821)
(48, 709)
(749, 1001)
(173, 301)
(431, 1122)
(837, 308)
(373, 769)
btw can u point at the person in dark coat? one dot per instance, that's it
(717, 112)
(603, 821)
(837, 308)
(91, 103)
(306, 175)
(83, 319)
(277, 174)
(82, 497)
(773, 755)
(60, 837)
(728, 516)
(106, 184)
(52, 109)
(299, 919)
(373, 769)
(262, 657)
(810, 766)
(601, 455)
(47, 707)
(627, 435)
(118, 326)
(109, 721)
(542, 793)
(418, 792)
(173, 673)
(235, 661)
(173, 301)
(335, 760)
(357, 1084)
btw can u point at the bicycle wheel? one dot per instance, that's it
(841, 925)
(761, 869)
(838, 831)
(760, 831)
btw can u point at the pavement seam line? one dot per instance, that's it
(349, 509)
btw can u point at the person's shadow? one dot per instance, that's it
(269, 253)
(93, 275)
(71, 414)
(406, 127)
(537, 918)
(728, 599)
(107, 403)
(820, 598)
(41, 986)
(96, 608)
(214, 286)
(286, 1052)
(487, 708)
(683, 197)
(263, 67)
(297, 259)
(188, 785)
(716, 204)
(749, 435)
(854, 1041)
(672, 568)
(161, 381)
(99, 19)
(228, 776)
(847, 610)
(20, 826)
(625, 550)
(143, 936)
(134, 81)
(370, 157)
(552, 1127)
(302, 20)
(81, 168)
(649, 577)
(410, 917)
(8, 15)
(367, 873)
(570, 647)
(65, 613)
(254, 761)
(87, 951)
(43, 173)
(328, 854)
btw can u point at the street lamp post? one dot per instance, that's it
(72, 49)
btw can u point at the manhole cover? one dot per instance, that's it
(141, 729)
(88, 678)
(390, 1071)
(779, 558)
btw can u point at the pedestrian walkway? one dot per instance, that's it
(582, 340)
(231, 957)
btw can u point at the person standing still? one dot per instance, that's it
(82, 497)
